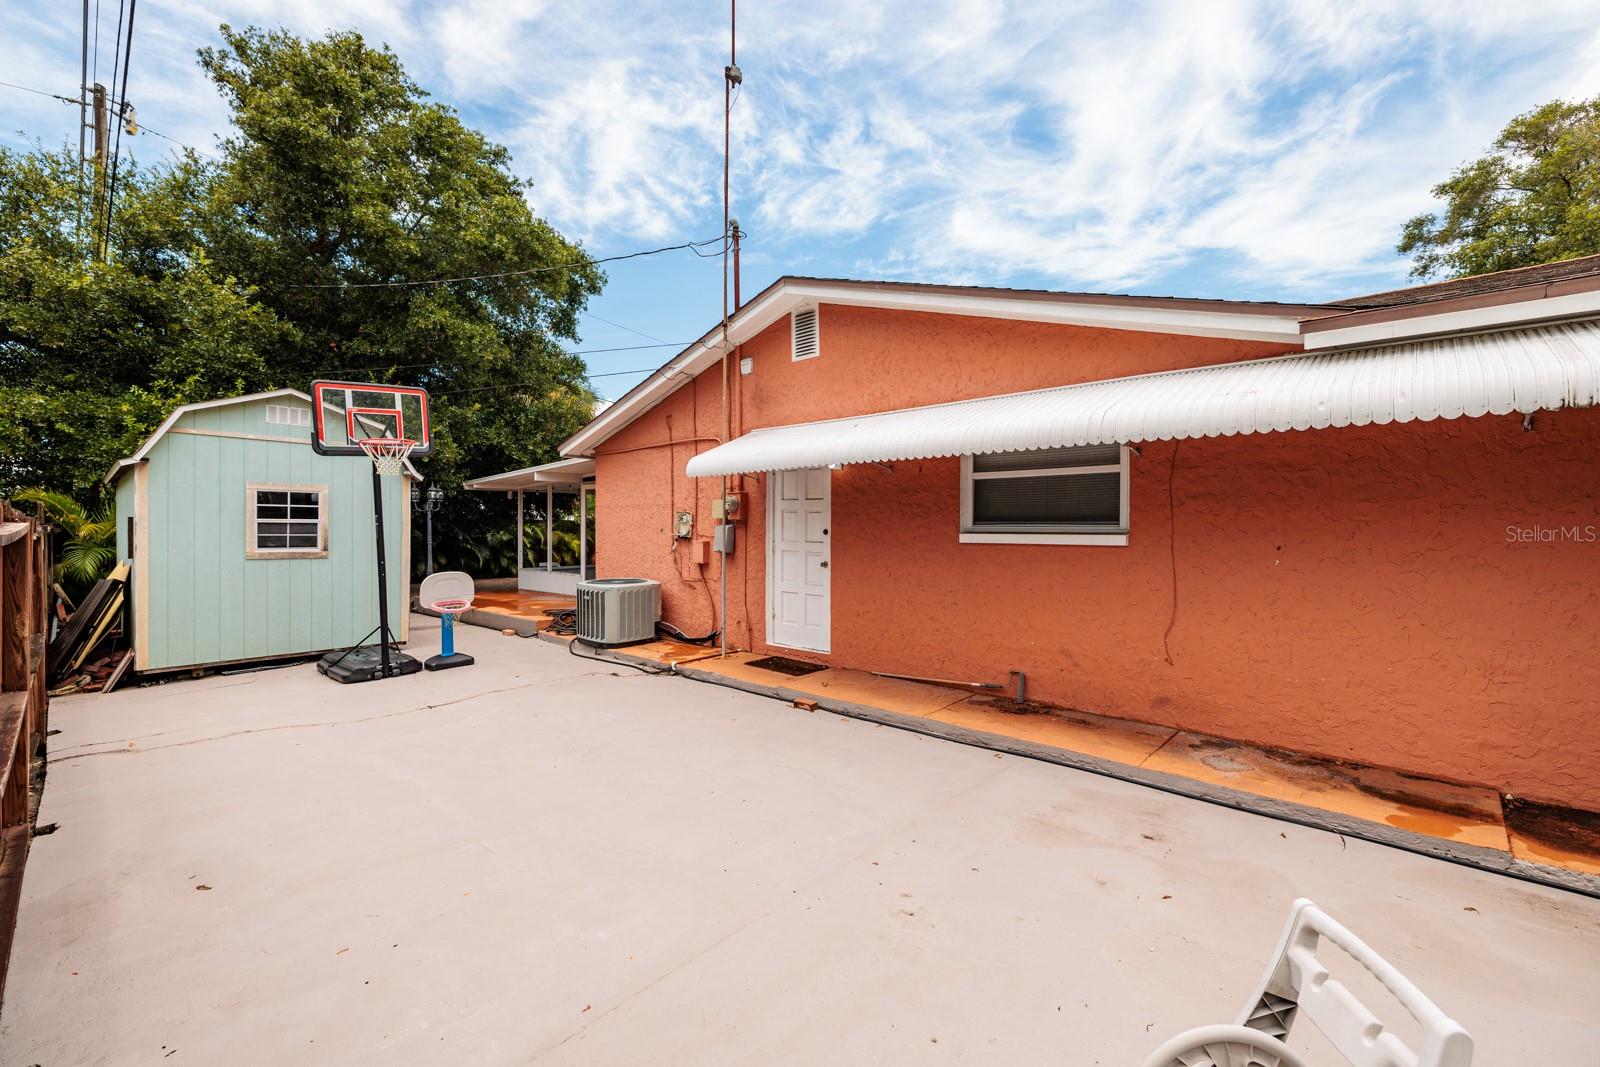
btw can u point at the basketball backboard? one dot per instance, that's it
(442, 587)
(345, 413)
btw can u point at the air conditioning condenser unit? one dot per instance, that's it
(618, 611)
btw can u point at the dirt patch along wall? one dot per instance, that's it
(1419, 597)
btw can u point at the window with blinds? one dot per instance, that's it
(286, 520)
(1046, 494)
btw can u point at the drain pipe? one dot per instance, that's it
(1019, 683)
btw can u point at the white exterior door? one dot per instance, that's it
(799, 519)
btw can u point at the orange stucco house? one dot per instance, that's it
(1366, 530)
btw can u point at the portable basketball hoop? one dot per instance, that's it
(388, 424)
(447, 594)
(388, 454)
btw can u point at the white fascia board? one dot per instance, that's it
(750, 320)
(117, 468)
(1494, 316)
(561, 472)
(757, 316)
(1197, 322)
(182, 410)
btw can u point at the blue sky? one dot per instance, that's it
(1265, 150)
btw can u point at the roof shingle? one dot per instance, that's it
(1472, 285)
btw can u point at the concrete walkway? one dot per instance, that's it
(544, 859)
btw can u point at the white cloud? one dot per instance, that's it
(1081, 144)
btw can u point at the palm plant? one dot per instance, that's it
(91, 548)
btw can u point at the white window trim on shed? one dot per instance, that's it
(1044, 533)
(252, 547)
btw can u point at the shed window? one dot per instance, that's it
(286, 520)
(1046, 496)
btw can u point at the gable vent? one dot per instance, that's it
(804, 329)
(288, 415)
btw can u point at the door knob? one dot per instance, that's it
(824, 563)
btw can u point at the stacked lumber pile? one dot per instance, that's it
(85, 652)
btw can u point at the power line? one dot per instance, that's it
(116, 152)
(566, 352)
(619, 325)
(693, 246)
(157, 133)
(74, 101)
(522, 383)
(41, 92)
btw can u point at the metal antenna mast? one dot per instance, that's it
(731, 76)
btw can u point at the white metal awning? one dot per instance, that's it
(563, 474)
(1535, 369)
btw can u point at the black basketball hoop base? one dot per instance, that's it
(365, 664)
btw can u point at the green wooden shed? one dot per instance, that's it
(247, 545)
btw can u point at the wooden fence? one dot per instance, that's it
(24, 603)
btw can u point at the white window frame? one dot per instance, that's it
(253, 551)
(1043, 534)
(816, 318)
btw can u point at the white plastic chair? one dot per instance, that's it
(1299, 982)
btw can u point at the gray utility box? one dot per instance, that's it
(618, 611)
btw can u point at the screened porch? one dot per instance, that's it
(553, 511)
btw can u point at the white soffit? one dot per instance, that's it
(179, 412)
(1534, 369)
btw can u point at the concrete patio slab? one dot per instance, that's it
(542, 859)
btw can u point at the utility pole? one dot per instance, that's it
(731, 77)
(101, 139)
(101, 126)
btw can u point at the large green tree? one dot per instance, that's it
(1534, 199)
(93, 355)
(294, 255)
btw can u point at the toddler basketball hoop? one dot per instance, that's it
(448, 593)
(389, 425)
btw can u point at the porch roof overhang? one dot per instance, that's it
(1534, 369)
(565, 474)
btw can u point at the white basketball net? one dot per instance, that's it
(388, 454)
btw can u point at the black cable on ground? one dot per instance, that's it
(673, 632)
(564, 621)
(572, 647)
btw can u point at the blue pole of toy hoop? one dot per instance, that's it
(447, 635)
